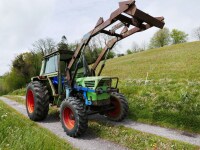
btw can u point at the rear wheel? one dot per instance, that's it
(73, 117)
(120, 104)
(37, 101)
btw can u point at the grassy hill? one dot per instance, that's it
(171, 97)
(174, 62)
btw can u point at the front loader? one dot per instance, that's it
(67, 81)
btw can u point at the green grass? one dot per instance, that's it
(2, 92)
(171, 97)
(18, 132)
(166, 102)
(173, 62)
(20, 92)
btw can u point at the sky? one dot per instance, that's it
(22, 22)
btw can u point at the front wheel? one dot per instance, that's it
(120, 110)
(73, 117)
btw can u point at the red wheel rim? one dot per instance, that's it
(68, 118)
(30, 101)
(116, 111)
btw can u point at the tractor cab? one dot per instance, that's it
(53, 71)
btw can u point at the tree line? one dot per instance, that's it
(164, 37)
(27, 65)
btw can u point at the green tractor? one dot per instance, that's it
(68, 82)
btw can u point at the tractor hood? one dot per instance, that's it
(94, 82)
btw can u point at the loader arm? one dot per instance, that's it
(110, 44)
(128, 16)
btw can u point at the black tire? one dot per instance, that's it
(73, 117)
(37, 101)
(121, 108)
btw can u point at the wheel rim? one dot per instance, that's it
(68, 118)
(117, 108)
(30, 101)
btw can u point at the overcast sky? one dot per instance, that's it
(24, 21)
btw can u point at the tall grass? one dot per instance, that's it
(20, 92)
(166, 102)
(171, 94)
(17, 132)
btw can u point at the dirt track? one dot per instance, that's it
(89, 141)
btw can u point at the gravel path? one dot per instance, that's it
(87, 142)
(156, 130)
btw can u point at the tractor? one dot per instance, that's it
(67, 81)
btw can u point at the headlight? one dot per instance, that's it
(109, 90)
(99, 90)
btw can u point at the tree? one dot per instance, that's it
(111, 54)
(45, 46)
(135, 47)
(178, 36)
(129, 51)
(63, 45)
(196, 33)
(160, 38)
(27, 64)
(120, 55)
(96, 46)
(143, 46)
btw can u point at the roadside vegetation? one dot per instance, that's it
(19, 92)
(18, 132)
(162, 85)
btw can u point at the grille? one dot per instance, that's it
(90, 84)
(79, 75)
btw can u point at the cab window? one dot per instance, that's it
(51, 65)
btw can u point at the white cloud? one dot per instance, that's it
(25, 21)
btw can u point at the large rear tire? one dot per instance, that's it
(120, 104)
(73, 117)
(37, 101)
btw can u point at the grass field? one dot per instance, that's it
(171, 96)
(18, 132)
(172, 62)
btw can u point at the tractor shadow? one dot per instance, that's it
(52, 117)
